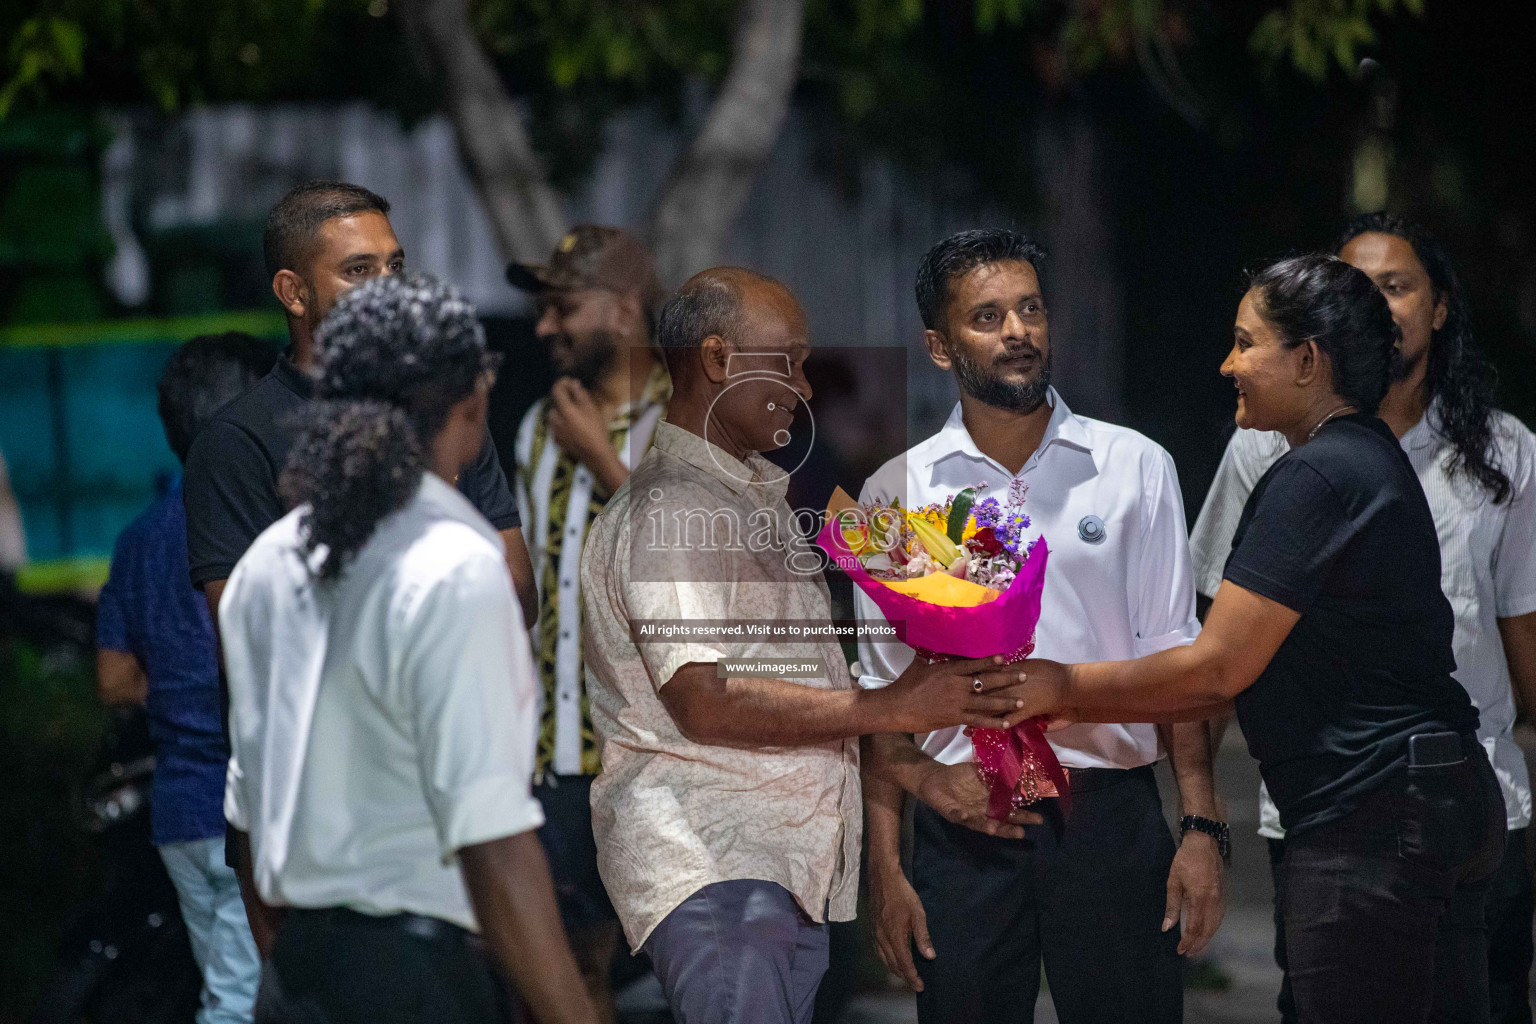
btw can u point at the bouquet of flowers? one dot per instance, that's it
(964, 584)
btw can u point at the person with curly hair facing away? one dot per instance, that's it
(383, 698)
(1477, 466)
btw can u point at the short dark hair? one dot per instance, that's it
(958, 255)
(709, 302)
(289, 239)
(204, 375)
(1320, 298)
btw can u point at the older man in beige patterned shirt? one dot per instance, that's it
(727, 814)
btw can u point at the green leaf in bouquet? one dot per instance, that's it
(960, 513)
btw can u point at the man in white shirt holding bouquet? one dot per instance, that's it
(1098, 902)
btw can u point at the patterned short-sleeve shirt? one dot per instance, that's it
(698, 537)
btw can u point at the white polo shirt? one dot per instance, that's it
(1487, 570)
(1126, 594)
(383, 721)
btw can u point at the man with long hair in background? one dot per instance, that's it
(1477, 466)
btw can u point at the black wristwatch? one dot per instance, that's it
(1217, 830)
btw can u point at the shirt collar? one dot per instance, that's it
(755, 472)
(1063, 427)
(658, 388)
(445, 499)
(293, 378)
(1422, 434)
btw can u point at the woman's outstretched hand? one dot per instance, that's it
(1040, 692)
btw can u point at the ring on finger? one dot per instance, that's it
(976, 684)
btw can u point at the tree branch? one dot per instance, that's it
(709, 184)
(523, 208)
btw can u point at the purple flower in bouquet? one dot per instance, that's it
(1016, 492)
(987, 512)
(1011, 532)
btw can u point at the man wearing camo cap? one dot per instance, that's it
(596, 299)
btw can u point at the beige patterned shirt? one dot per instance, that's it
(696, 536)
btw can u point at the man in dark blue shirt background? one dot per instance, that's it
(156, 645)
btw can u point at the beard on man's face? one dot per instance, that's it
(313, 314)
(1400, 367)
(986, 384)
(587, 358)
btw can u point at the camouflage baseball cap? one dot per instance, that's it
(593, 256)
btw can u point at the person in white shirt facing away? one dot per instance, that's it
(1098, 903)
(383, 699)
(1477, 466)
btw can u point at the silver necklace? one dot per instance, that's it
(1337, 412)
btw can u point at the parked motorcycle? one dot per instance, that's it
(123, 956)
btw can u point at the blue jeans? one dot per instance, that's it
(739, 952)
(209, 895)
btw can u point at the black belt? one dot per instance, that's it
(420, 926)
(1084, 780)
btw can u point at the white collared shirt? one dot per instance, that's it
(1126, 595)
(1487, 569)
(383, 721)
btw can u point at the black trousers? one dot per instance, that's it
(1511, 906)
(340, 967)
(1384, 911)
(1086, 902)
(571, 850)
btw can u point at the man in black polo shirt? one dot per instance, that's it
(322, 238)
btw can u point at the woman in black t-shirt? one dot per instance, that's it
(1332, 636)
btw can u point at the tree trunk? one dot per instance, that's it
(1082, 282)
(523, 208)
(709, 184)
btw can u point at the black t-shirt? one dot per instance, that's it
(230, 487)
(1339, 531)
